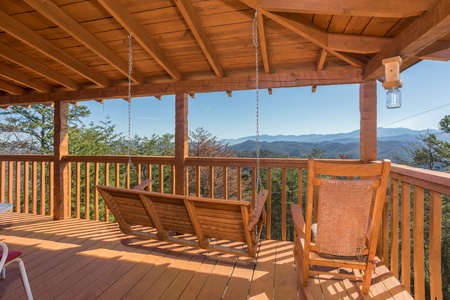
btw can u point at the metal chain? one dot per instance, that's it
(255, 43)
(130, 70)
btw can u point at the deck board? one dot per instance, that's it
(81, 259)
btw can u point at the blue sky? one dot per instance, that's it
(296, 111)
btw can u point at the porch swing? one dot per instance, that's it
(206, 223)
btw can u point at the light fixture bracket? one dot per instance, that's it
(392, 72)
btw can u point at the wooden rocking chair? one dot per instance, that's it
(190, 221)
(343, 216)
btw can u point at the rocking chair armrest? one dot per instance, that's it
(258, 211)
(297, 217)
(143, 185)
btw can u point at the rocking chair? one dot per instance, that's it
(343, 216)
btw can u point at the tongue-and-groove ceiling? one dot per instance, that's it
(75, 50)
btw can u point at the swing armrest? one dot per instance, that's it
(258, 213)
(144, 185)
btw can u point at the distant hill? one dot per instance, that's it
(384, 134)
(392, 143)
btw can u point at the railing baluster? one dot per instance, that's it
(69, 192)
(34, 189)
(161, 178)
(78, 189)
(283, 204)
(394, 228)
(239, 183)
(406, 236)
(385, 234)
(419, 255)
(18, 189)
(105, 207)
(435, 245)
(211, 182)
(87, 194)
(10, 183)
(96, 174)
(26, 186)
(225, 182)
(197, 180)
(42, 173)
(172, 177)
(51, 184)
(269, 204)
(2, 180)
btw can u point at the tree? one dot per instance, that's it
(204, 144)
(30, 130)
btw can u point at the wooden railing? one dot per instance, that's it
(412, 229)
(415, 199)
(25, 182)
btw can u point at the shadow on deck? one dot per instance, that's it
(81, 259)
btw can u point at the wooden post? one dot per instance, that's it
(61, 148)
(368, 121)
(181, 142)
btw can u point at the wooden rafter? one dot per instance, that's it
(427, 29)
(72, 27)
(124, 17)
(23, 79)
(191, 18)
(305, 29)
(320, 65)
(29, 37)
(266, 81)
(380, 8)
(31, 64)
(10, 88)
(263, 43)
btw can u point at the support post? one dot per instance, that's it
(181, 142)
(61, 173)
(368, 121)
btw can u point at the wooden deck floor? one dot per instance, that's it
(80, 259)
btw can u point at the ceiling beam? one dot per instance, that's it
(72, 27)
(357, 43)
(305, 29)
(124, 17)
(263, 43)
(320, 65)
(31, 64)
(368, 8)
(424, 31)
(10, 88)
(23, 79)
(266, 81)
(29, 37)
(438, 51)
(191, 18)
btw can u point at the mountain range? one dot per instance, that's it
(392, 143)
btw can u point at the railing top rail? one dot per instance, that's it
(428, 179)
(27, 157)
(165, 160)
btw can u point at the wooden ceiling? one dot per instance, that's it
(75, 50)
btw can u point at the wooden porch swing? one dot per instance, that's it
(226, 226)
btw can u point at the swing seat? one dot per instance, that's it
(226, 226)
(344, 205)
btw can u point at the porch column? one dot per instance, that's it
(181, 142)
(61, 172)
(368, 121)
